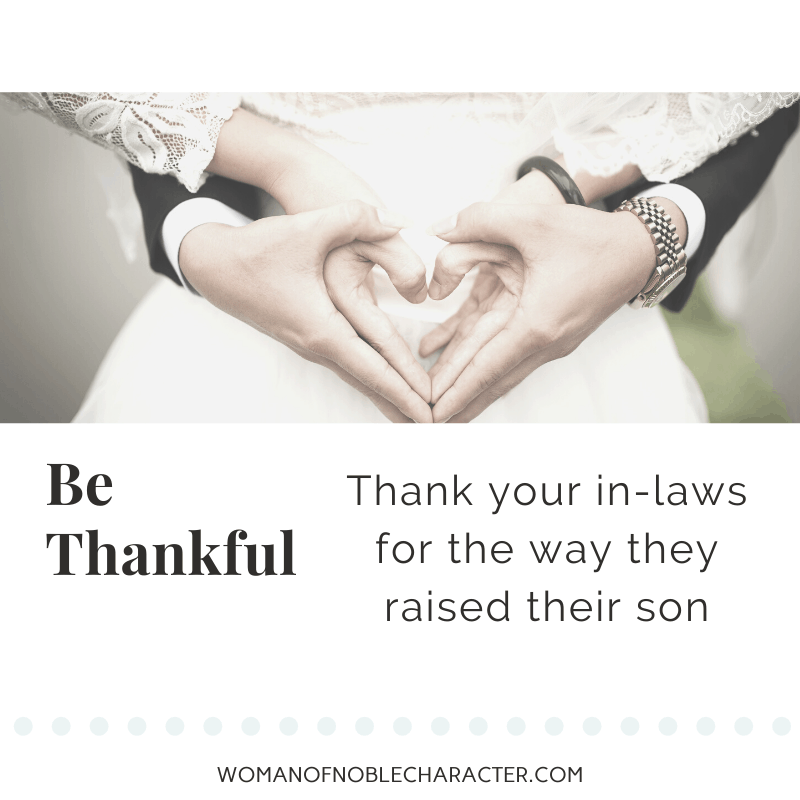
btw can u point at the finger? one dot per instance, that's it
(406, 270)
(491, 222)
(392, 413)
(488, 303)
(489, 365)
(467, 324)
(499, 389)
(345, 222)
(369, 283)
(376, 328)
(342, 345)
(445, 331)
(456, 260)
(483, 331)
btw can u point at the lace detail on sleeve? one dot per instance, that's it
(159, 132)
(665, 135)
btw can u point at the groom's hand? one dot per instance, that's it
(533, 188)
(269, 274)
(550, 275)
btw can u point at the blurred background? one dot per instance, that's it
(71, 273)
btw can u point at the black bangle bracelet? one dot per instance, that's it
(558, 175)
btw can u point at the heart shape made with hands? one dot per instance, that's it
(531, 302)
(349, 276)
(438, 396)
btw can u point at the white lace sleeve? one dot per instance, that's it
(665, 135)
(159, 132)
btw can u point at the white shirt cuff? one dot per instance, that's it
(692, 207)
(188, 215)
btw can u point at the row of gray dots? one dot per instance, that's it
(402, 726)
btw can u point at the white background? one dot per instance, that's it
(157, 648)
(316, 645)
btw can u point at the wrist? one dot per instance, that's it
(533, 188)
(536, 187)
(678, 219)
(596, 187)
(669, 268)
(318, 180)
(297, 173)
(638, 260)
(537, 184)
(206, 252)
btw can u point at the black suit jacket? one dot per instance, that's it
(726, 184)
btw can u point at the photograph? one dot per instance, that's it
(399, 257)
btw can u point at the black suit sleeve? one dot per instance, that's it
(727, 183)
(159, 194)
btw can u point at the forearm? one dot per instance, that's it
(298, 174)
(536, 187)
(594, 188)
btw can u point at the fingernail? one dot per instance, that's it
(393, 220)
(422, 295)
(435, 290)
(443, 226)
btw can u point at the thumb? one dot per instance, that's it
(345, 222)
(405, 268)
(496, 223)
(456, 260)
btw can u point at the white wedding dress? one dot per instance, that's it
(180, 359)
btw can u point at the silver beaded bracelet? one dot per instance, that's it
(670, 256)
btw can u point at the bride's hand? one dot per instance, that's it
(269, 274)
(550, 275)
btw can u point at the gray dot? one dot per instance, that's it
(554, 726)
(137, 726)
(174, 726)
(23, 726)
(781, 726)
(212, 726)
(478, 726)
(705, 726)
(630, 726)
(98, 726)
(61, 726)
(364, 726)
(251, 726)
(668, 726)
(288, 726)
(591, 726)
(743, 726)
(440, 726)
(326, 726)
(516, 726)
(402, 726)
